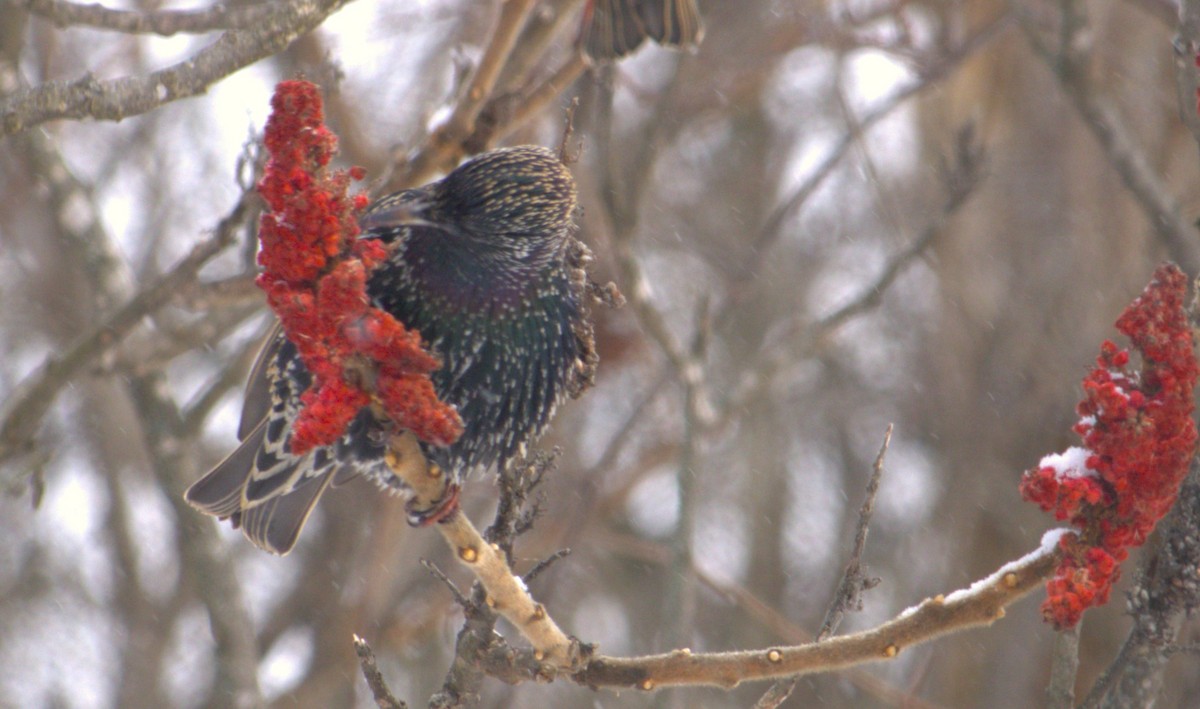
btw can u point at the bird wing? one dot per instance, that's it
(258, 386)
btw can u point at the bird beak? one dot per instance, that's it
(400, 209)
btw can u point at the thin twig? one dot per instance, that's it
(853, 583)
(440, 575)
(849, 592)
(444, 147)
(544, 564)
(370, 670)
(564, 152)
(1187, 648)
(681, 583)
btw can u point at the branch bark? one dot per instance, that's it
(116, 99)
(161, 22)
(981, 604)
(506, 593)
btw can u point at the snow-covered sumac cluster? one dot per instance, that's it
(1138, 440)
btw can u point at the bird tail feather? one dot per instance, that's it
(275, 524)
(219, 493)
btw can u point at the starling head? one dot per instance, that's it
(511, 192)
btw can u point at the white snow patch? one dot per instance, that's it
(1071, 463)
(1047, 546)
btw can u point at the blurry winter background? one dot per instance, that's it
(753, 199)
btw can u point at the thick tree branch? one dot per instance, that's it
(116, 99)
(506, 593)
(162, 22)
(981, 604)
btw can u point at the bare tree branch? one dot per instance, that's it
(26, 407)
(1070, 63)
(506, 593)
(444, 147)
(848, 595)
(116, 99)
(162, 22)
(366, 659)
(982, 604)
(1165, 595)
(849, 592)
(1064, 667)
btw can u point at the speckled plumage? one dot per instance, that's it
(479, 266)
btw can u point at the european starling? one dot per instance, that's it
(480, 267)
(614, 28)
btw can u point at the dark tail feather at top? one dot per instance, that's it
(614, 28)
(610, 30)
(675, 23)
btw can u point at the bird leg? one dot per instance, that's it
(441, 510)
(432, 495)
